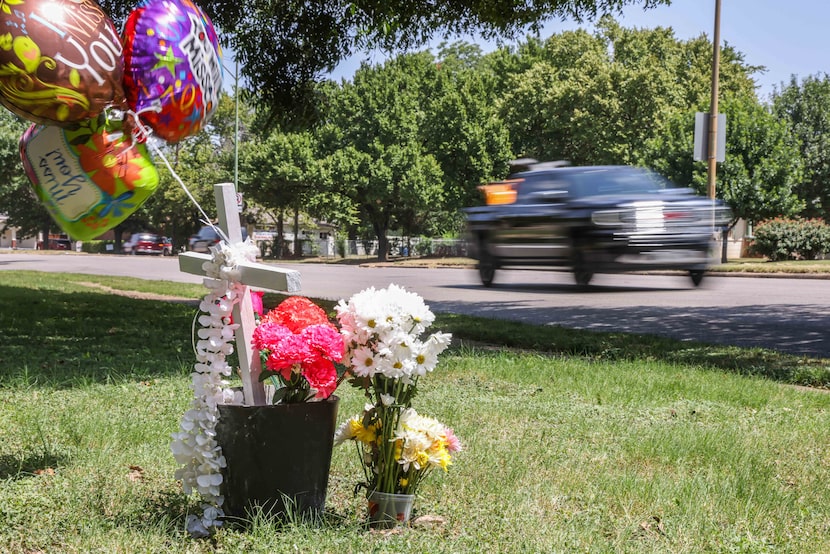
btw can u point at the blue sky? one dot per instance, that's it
(789, 38)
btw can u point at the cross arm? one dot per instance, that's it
(252, 274)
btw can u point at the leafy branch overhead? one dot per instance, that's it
(283, 47)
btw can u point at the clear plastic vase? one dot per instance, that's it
(387, 510)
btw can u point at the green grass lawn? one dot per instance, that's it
(574, 441)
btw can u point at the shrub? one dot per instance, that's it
(424, 246)
(791, 239)
(97, 246)
(340, 246)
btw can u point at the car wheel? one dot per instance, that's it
(487, 273)
(582, 275)
(697, 276)
(486, 266)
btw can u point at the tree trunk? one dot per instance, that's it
(298, 245)
(118, 231)
(383, 242)
(280, 240)
(45, 231)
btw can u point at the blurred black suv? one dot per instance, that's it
(593, 219)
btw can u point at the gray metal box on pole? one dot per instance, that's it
(701, 150)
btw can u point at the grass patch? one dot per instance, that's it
(602, 346)
(574, 441)
(759, 265)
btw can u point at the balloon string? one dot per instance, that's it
(145, 133)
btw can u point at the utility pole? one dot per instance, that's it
(713, 107)
(713, 123)
(236, 126)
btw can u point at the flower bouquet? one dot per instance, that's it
(298, 347)
(386, 357)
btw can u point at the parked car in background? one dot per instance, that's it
(598, 219)
(207, 237)
(144, 243)
(60, 244)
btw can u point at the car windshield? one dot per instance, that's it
(617, 180)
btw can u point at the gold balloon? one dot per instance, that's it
(61, 61)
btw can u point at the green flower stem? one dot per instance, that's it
(277, 385)
(361, 453)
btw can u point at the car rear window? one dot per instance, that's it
(594, 181)
(609, 181)
(539, 182)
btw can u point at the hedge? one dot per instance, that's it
(791, 239)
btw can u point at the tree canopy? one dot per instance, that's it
(17, 199)
(806, 105)
(283, 47)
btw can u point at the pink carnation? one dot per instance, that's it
(256, 301)
(321, 375)
(268, 335)
(326, 340)
(276, 363)
(297, 338)
(291, 350)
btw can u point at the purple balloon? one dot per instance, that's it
(172, 67)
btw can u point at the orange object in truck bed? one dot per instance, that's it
(502, 192)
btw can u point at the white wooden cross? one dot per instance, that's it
(252, 274)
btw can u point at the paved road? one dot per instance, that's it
(790, 315)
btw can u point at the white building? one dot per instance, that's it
(10, 239)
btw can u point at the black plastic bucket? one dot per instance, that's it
(278, 457)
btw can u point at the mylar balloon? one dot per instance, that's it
(90, 177)
(60, 60)
(172, 67)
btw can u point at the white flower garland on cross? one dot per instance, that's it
(228, 271)
(195, 446)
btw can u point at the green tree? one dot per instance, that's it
(762, 167)
(17, 199)
(373, 141)
(283, 47)
(806, 106)
(463, 132)
(596, 98)
(283, 174)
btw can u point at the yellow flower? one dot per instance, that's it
(365, 435)
(444, 459)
